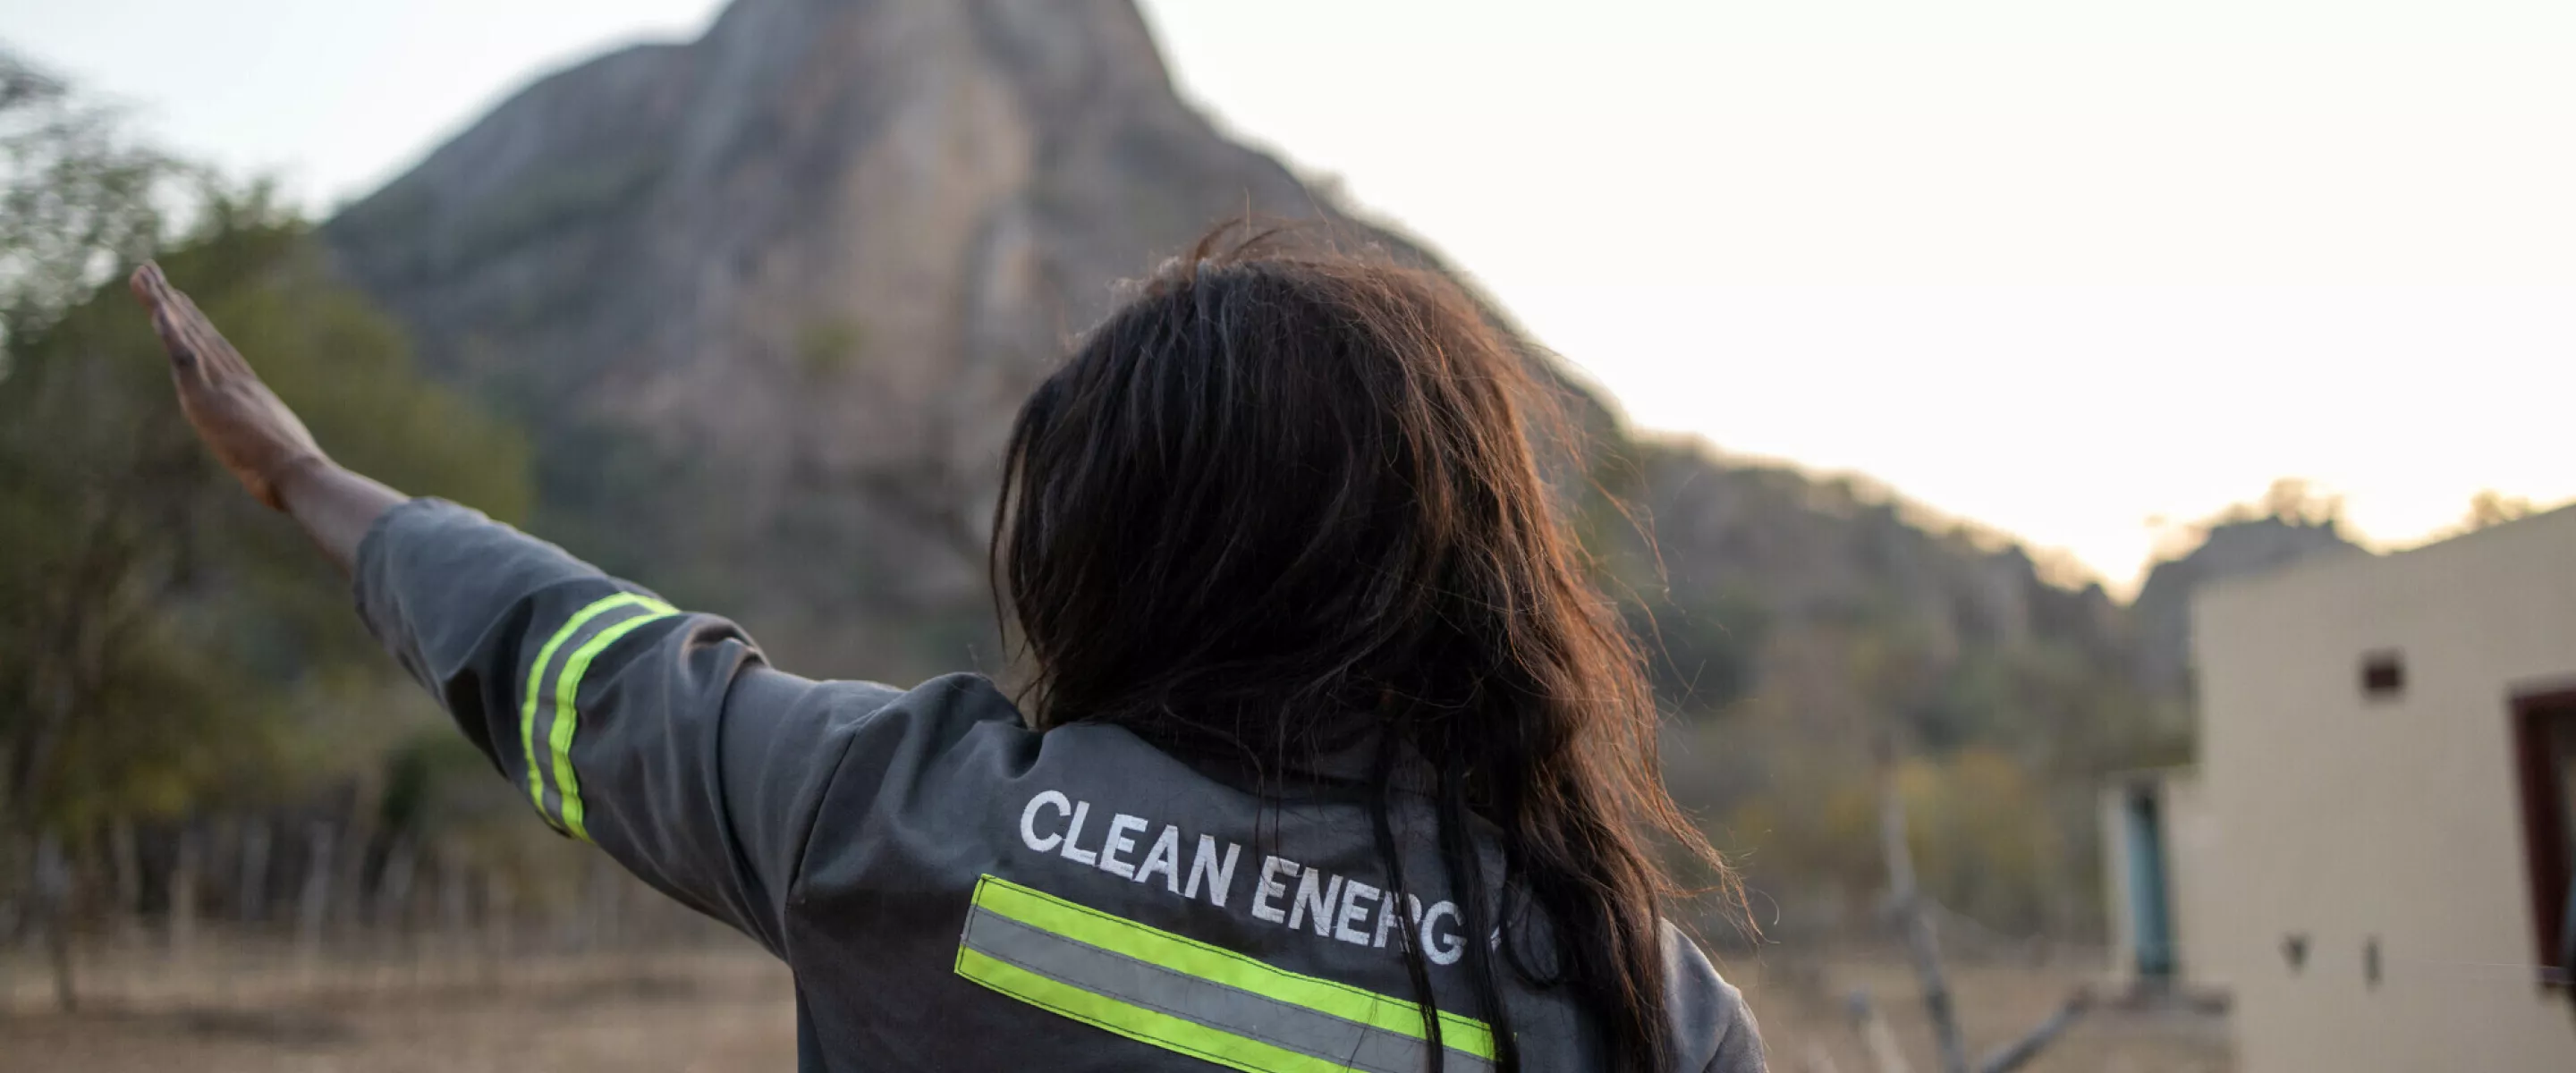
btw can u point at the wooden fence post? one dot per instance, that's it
(313, 904)
(183, 894)
(54, 905)
(252, 894)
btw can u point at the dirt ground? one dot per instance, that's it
(729, 1010)
(1803, 1006)
(718, 1011)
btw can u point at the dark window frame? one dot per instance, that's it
(2549, 864)
(2383, 674)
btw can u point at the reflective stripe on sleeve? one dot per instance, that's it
(1183, 995)
(560, 736)
(568, 686)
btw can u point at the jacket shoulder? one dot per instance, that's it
(1713, 1030)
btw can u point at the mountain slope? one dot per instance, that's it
(768, 298)
(2236, 547)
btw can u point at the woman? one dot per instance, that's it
(1332, 758)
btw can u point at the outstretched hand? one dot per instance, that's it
(253, 434)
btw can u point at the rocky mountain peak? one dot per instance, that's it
(788, 277)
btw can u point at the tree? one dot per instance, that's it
(76, 195)
(165, 642)
(2293, 499)
(2490, 508)
(1901, 675)
(142, 584)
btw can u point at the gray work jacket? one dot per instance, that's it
(953, 889)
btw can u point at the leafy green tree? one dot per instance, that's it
(154, 610)
(77, 195)
(164, 643)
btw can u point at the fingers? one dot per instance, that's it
(186, 359)
(153, 289)
(148, 285)
(195, 347)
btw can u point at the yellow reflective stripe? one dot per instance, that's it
(567, 685)
(537, 673)
(1137, 1022)
(1188, 956)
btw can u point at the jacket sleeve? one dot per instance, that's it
(1713, 1030)
(662, 736)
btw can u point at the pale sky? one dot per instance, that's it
(2051, 265)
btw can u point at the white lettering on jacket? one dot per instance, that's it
(1318, 896)
(1119, 843)
(1072, 853)
(1353, 893)
(1220, 877)
(1333, 906)
(1270, 887)
(1165, 857)
(1389, 921)
(1029, 820)
(1442, 949)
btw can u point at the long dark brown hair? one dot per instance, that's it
(1285, 503)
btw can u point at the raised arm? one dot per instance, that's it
(254, 435)
(660, 735)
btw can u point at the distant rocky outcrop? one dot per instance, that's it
(2235, 548)
(1808, 549)
(767, 299)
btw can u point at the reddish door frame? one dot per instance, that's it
(2545, 836)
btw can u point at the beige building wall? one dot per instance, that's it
(2191, 834)
(2346, 819)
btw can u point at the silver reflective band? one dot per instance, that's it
(1186, 1012)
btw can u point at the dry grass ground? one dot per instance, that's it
(732, 1009)
(1801, 1004)
(723, 1010)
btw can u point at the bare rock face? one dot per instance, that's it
(767, 302)
(1803, 553)
(768, 299)
(2234, 549)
